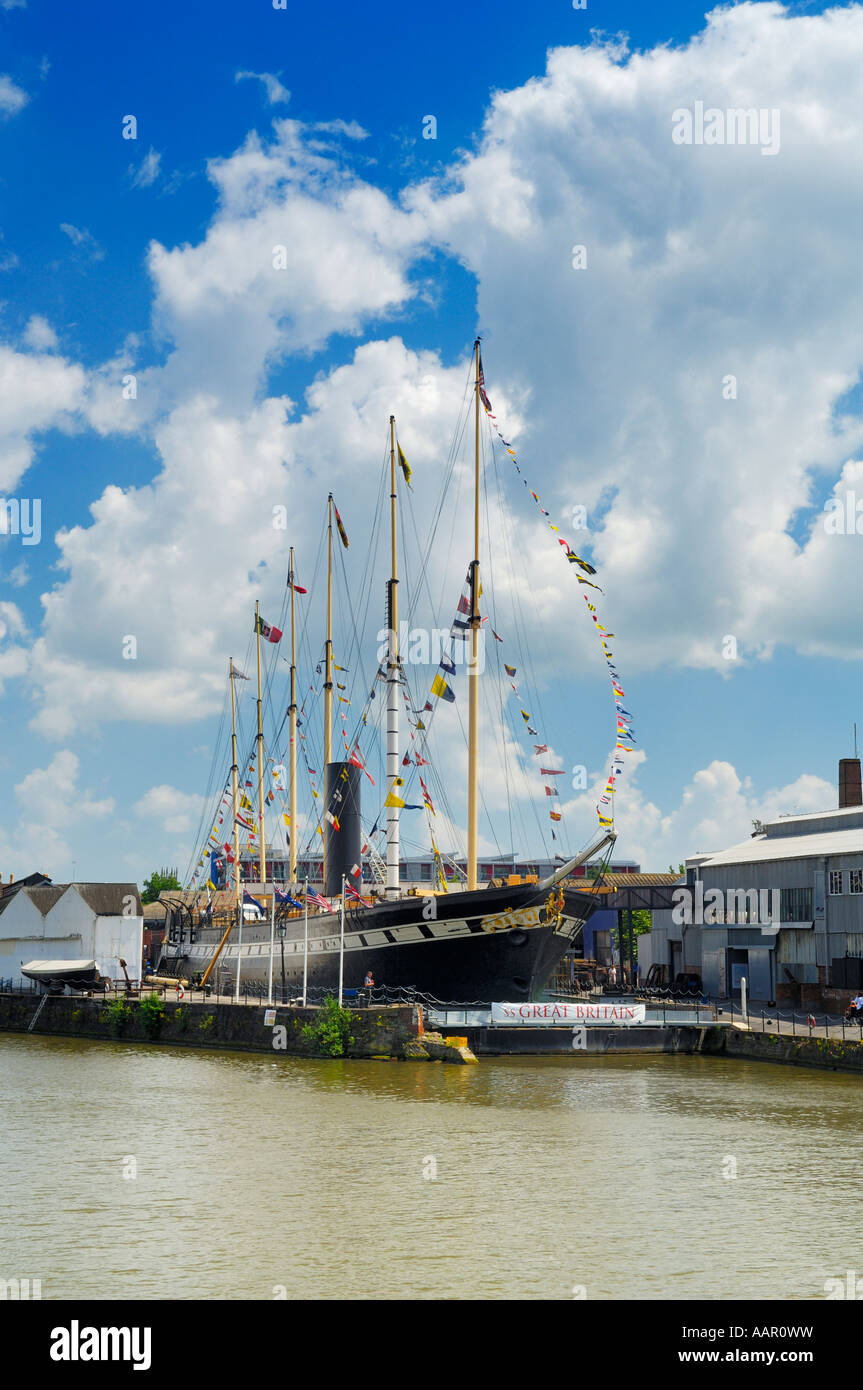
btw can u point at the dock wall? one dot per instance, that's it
(383, 1032)
(550, 1042)
(391, 1032)
(827, 1054)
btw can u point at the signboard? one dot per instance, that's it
(269, 1018)
(549, 1015)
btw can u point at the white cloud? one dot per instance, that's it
(51, 804)
(298, 250)
(13, 655)
(275, 91)
(702, 262)
(144, 175)
(52, 795)
(191, 591)
(175, 812)
(19, 576)
(39, 334)
(12, 97)
(352, 130)
(716, 810)
(83, 240)
(36, 393)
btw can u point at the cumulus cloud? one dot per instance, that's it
(50, 803)
(174, 811)
(270, 81)
(37, 393)
(703, 263)
(688, 386)
(716, 810)
(52, 794)
(298, 250)
(13, 652)
(39, 334)
(12, 97)
(189, 594)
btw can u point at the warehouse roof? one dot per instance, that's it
(105, 899)
(764, 849)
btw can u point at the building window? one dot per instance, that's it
(835, 882)
(856, 880)
(795, 905)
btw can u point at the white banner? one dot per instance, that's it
(547, 1015)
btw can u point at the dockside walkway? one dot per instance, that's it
(762, 1017)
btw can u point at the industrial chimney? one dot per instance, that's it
(850, 790)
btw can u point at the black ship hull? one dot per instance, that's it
(485, 946)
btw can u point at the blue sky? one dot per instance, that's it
(82, 207)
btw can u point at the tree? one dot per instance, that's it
(641, 923)
(160, 881)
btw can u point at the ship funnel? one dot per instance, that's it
(344, 845)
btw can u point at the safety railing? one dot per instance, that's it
(795, 1023)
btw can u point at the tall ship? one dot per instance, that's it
(455, 938)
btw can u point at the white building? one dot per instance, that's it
(71, 921)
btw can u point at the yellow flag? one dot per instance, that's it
(404, 465)
(393, 800)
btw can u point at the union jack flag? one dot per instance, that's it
(351, 892)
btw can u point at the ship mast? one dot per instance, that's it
(292, 716)
(235, 793)
(393, 686)
(328, 677)
(473, 665)
(237, 915)
(261, 827)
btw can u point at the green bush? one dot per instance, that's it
(206, 1024)
(152, 1012)
(181, 1018)
(331, 1034)
(116, 1015)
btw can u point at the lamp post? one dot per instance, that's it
(283, 931)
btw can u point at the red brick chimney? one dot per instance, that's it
(850, 790)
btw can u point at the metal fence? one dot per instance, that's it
(795, 1023)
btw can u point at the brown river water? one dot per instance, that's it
(134, 1172)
